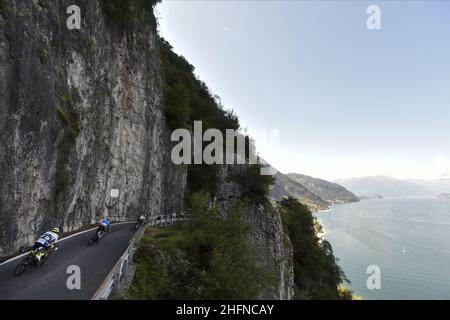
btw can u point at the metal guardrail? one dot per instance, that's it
(112, 282)
(161, 221)
(111, 285)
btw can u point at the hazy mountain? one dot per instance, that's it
(315, 193)
(328, 191)
(438, 186)
(286, 187)
(387, 187)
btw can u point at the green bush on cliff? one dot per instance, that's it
(316, 272)
(5, 6)
(178, 110)
(203, 178)
(71, 119)
(254, 186)
(123, 12)
(71, 129)
(209, 257)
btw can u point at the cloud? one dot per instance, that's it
(441, 166)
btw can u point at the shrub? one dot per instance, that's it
(123, 12)
(209, 257)
(63, 180)
(203, 178)
(5, 6)
(178, 110)
(316, 272)
(347, 294)
(254, 186)
(68, 116)
(71, 119)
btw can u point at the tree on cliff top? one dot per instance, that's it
(123, 12)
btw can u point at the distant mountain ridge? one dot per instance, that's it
(317, 194)
(436, 186)
(329, 191)
(286, 187)
(389, 187)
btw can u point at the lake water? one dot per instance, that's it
(409, 239)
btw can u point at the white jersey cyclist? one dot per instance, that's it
(47, 239)
(45, 242)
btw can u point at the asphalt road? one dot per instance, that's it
(48, 282)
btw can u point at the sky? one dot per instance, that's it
(346, 101)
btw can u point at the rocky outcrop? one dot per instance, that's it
(272, 246)
(82, 113)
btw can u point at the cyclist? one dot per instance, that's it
(105, 225)
(46, 241)
(141, 219)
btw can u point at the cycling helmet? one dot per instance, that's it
(55, 230)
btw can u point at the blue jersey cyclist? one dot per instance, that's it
(105, 225)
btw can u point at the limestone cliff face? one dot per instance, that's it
(271, 244)
(81, 114)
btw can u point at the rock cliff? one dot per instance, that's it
(272, 245)
(82, 113)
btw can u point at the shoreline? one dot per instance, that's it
(323, 210)
(321, 235)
